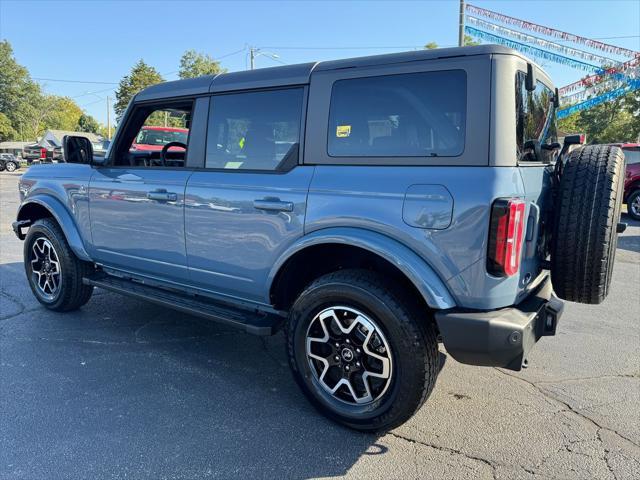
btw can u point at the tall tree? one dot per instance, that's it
(195, 64)
(20, 97)
(141, 76)
(63, 113)
(7, 131)
(86, 123)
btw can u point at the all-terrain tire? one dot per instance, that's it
(587, 214)
(71, 293)
(411, 337)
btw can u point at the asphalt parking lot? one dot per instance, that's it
(125, 389)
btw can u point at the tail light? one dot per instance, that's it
(43, 153)
(505, 236)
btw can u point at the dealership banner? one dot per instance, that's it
(532, 51)
(539, 42)
(621, 72)
(605, 97)
(551, 32)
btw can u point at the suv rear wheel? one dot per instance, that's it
(361, 350)
(54, 272)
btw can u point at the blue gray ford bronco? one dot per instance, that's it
(370, 207)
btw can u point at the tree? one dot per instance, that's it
(86, 123)
(20, 97)
(141, 76)
(614, 121)
(195, 64)
(103, 131)
(468, 42)
(6, 129)
(63, 113)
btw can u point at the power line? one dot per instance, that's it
(73, 81)
(92, 103)
(116, 83)
(93, 93)
(344, 48)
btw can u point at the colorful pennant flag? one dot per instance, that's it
(605, 97)
(551, 32)
(532, 51)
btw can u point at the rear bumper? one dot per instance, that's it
(504, 337)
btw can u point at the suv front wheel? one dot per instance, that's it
(362, 351)
(54, 272)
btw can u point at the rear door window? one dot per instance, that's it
(254, 130)
(404, 115)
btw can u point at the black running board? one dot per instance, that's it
(252, 321)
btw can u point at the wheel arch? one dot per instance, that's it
(46, 206)
(330, 249)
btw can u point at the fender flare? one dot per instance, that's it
(419, 272)
(60, 213)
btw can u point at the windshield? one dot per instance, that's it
(160, 137)
(632, 156)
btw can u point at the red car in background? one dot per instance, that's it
(632, 179)
(152, 139)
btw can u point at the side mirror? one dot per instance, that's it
(535, 147)
(77, 149)
(531, 81)
(556, 99)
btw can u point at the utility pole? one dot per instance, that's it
(108, 119)
(252, 56)
(461, 25)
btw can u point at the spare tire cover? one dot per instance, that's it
(587, 212)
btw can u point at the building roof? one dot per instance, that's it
(14, 144)
(59, 135)
(301, 73)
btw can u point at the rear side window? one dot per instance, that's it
(535, 119)
(254, 130)
(407, 115)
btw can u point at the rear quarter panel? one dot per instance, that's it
(372, 198)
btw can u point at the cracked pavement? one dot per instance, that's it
(125, 389)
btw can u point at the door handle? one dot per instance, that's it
(162, 196)
(273, 204)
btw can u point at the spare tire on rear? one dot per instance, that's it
(587, 212)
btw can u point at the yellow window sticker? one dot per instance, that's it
(343, 131)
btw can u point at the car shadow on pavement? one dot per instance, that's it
(126, 388)
(627, 241)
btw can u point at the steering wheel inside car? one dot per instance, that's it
(165, 149)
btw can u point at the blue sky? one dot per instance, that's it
(100, 40)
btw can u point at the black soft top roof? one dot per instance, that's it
(300, 74)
